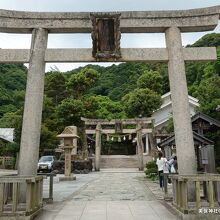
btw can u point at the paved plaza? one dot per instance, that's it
(105, 195)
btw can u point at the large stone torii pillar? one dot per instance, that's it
(180, 103)
(30, 137)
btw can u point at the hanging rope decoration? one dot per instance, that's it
(118, 138)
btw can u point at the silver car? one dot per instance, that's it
(45, 163)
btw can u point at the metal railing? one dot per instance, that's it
(17, 202)
(193, 192)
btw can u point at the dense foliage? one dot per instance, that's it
(118, 91)
(151, 170)
(141, 102)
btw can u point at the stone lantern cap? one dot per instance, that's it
(68, 132)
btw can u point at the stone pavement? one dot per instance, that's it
(105, 195)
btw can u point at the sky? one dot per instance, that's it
(84, 40)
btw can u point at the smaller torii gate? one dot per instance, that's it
(118, 126)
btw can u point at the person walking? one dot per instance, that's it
(161, 165)
(174, 166)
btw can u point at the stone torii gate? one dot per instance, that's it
(172, 23)
(143, 126)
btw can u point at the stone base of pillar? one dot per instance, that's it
(67, 178)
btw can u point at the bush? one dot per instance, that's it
(151, 164)
(218, 169)
(151, 171)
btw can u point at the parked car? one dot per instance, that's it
(45, 163)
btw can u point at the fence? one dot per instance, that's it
(193, 192)
(51, 176)
(11, 203)
(6, 162)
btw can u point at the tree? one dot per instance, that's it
(151, 80)
(141, 102)
(197, 72)
(49, 126)
(208, 93)
(117, 80)
(208, 40)
(7, 108)
(80, 82)
(55, 86)
(8, 149)
(108, 109)
(5, 96)
(48, 139)
(69, 112)
(18, 98)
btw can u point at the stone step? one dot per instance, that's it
(122, 161)
(119, 161)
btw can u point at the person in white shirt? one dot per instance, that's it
(161, 165)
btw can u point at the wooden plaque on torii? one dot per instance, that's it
(106, 36)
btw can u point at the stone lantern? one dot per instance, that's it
(69, 137)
